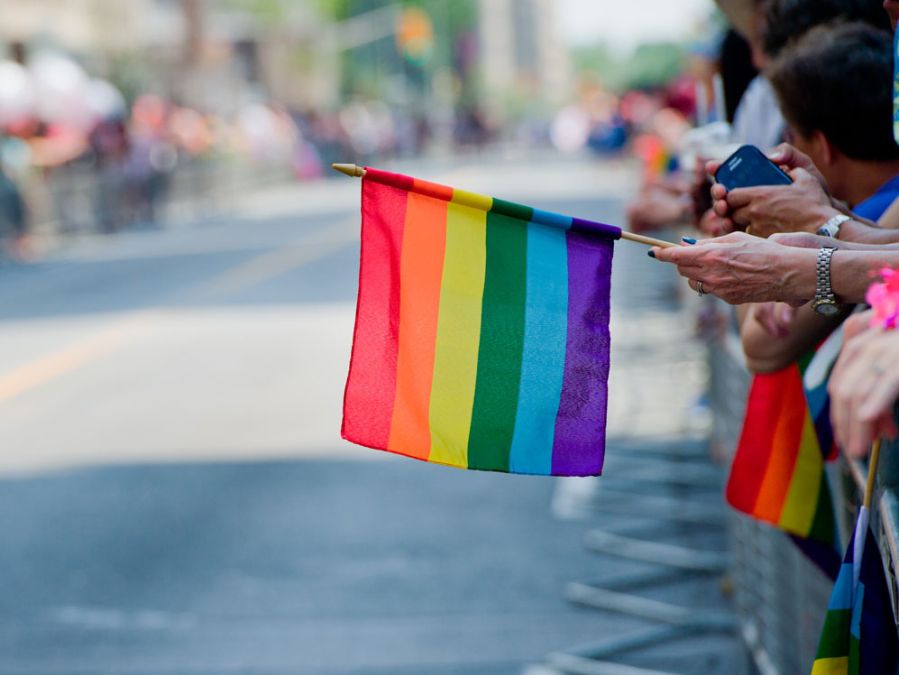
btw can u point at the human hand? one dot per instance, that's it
(740, 268)
(656, 207)
(812, 188)
(787, 157)
(775, 317)
(857, 324)
(863, 387)
(802, 206)
(713, 225)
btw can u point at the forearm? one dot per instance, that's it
(852, 272)
(863, 232)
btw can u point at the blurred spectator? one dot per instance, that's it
(13, 223)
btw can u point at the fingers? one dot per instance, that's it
(864, 386)
(711, 167)
(784, 315)
(713, 225)
(789, 156)
(721, 208)
(881, 397)
(719, 200)
(764, 314)
(718, 191)
(740, 197)
(801, 175)
(857, 324)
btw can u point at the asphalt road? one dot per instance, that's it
(175, 496)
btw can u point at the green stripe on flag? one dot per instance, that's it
(502, 337)
(823, 524)
(834, 641)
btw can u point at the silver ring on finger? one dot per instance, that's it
(699, 289)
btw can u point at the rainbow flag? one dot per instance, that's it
(482, 331)
(859, 634)
(778, 473)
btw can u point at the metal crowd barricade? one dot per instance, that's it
(80, 199)
(780, 596)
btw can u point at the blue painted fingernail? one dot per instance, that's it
(651, 254)
(688, 240)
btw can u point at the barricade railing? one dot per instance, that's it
(780, 595)
(82, 199)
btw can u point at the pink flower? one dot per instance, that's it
(884, 300)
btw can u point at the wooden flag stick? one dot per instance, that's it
(873, 461)
(356, 171)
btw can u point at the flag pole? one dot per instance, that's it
(356, 171)
(872, 473)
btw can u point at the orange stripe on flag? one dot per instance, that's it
(434, 190)
(754, 450)
(784, 451)
(424, 244)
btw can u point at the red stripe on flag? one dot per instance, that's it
(753, 453)
(371, 385)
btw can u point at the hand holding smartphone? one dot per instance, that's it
(748, 167)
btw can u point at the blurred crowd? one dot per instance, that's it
(67, 138)
(811, 83)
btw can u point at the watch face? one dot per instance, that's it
(825, 308)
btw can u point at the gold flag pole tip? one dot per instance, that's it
(352, 170)
(356, 171)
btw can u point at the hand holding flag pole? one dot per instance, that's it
(356, 171)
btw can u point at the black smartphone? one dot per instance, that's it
(748, 167)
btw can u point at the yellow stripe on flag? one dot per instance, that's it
(802, 499)
(458, 333)
(834, 666)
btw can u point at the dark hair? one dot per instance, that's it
(737, 70)
(788, 20)
(839, 80)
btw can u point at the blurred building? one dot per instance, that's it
(216, 55)
(92, 26)
(521, 50)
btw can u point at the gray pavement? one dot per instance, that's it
(177, 499)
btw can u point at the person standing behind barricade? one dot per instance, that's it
(13, 217)
(852, 146)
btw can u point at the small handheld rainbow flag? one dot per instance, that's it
(859, 634)
(482, 331)
(777, 473)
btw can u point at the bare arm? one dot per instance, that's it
(740, 268)
(766, 353)
(890, 219)
(863, 232)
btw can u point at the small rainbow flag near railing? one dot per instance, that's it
(482, 331)
(859, 633)
(778, 469)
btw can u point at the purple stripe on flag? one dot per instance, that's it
(580, 433)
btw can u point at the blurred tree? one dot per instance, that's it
(269, 12)
(650, 65)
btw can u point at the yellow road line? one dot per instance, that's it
(271, 264)
(54, 365)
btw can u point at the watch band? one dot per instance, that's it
(832, 227)
(823, 289)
